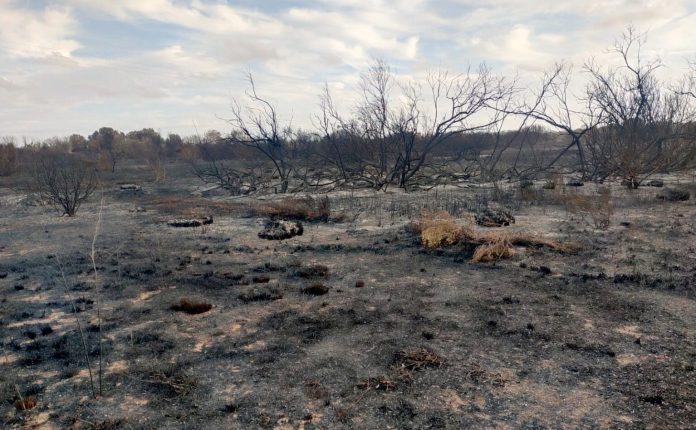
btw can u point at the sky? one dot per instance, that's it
(72, 66)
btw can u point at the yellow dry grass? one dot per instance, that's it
(439, 230)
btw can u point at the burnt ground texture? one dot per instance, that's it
(350, 325)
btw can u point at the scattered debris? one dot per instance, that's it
(260, 294)
(190, 222)
(657, 183)
(379, 383)
(417, 359)
(493, 218)
(281, 230)
(130, 187)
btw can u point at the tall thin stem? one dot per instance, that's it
(79, 325)
(98, 290)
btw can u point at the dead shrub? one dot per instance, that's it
(191, 307)
(170, 380)
(598, 208)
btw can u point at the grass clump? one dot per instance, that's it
(439, 230)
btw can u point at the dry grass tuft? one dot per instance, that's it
(191, 307)
(439, 230)
(498, 248)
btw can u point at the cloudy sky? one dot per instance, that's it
(75, 65)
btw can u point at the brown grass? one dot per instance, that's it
(497, 249)
(439, 230)
(302, 209)
(191, 307)
(194, 207)
(25, 404)
(597, 207)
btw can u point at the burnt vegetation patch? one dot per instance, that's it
(313, 271)
(315, 289)
(260, 294)
(417, 359)
(191, 307)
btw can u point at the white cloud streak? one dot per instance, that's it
(50, 86)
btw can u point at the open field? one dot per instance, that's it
(403, 337)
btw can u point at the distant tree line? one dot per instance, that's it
(624, 123)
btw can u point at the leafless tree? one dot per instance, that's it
(257, 125)
(64, 182)
(555, 105)
(644, 123)
(8, 156)
(237, 181)
(394, 137)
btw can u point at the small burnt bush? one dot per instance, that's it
(315, 289)
(191, 307)
(169, 380)
(314, 271)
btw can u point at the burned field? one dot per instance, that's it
(350, 322)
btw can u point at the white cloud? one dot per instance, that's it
(26, 33)
(50, 84)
